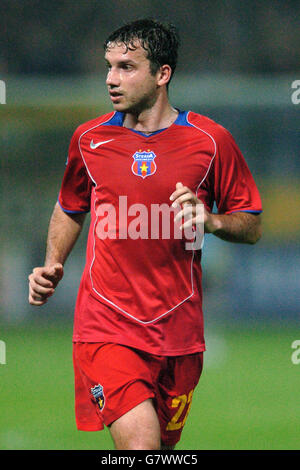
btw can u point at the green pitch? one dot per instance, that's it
(247, 398)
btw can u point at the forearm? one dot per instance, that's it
(239, 227)
(64, 230)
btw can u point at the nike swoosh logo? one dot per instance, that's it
(94, 146)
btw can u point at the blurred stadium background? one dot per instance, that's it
(238, 61)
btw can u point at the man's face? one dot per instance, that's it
(131, 86)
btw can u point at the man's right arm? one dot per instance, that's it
(64, 230)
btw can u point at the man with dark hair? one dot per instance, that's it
(160, 41)
(138, 328)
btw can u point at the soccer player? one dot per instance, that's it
(138, 328)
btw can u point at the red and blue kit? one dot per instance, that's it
(141, 286)
(111, 379)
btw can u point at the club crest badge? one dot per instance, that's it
(98, 394)
(143, 164)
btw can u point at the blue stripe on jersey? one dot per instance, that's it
(250, 212)
(71, 212)
(147, 135)
(118, 118)
(182, 119)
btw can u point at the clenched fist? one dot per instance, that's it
(42, 283)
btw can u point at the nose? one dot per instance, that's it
(112, 78)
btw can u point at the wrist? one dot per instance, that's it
(53, 259)
(213, 223)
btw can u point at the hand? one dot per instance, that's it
(193, 211)
(42, 283)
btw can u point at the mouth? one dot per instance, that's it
(115, 96)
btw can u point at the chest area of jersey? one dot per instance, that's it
(145, 168)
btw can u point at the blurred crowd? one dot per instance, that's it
(66, 37)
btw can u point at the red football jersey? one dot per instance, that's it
(141, 286)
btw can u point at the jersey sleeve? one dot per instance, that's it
(234, 187)
(75, 192)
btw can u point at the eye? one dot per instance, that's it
(127, 66)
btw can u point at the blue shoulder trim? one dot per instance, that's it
(71, 212)
(182, 119)
(116, 120)
(250, 212)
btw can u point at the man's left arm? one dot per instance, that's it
(238, 227)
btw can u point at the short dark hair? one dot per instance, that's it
(160, 40)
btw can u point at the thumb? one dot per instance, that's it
(55, 272)
(179, 186)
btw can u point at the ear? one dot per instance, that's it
(164, 75)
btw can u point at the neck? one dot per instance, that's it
(159, 116)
